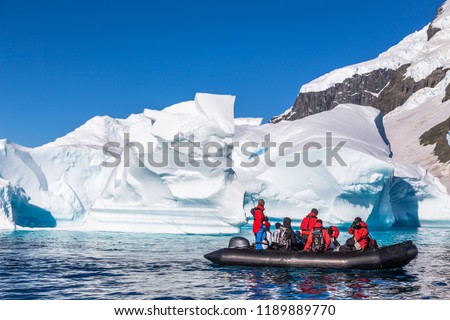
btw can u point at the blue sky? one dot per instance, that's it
(63, 62)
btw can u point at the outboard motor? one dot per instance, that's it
(238, 243)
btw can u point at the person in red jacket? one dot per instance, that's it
(360, 234)
(318, 239)
(258, 216)
(333, 231)
(307, 224)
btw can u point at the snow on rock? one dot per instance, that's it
(425, 55)
(421, 98)
(404, 52)
(406, 124)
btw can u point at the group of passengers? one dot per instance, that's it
(312, 236)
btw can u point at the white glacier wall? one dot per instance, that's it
(371, 185)
(140, 196)
(7, 195)
(66, 184)
(15, 209)
(340, 192)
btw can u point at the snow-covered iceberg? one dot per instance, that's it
(73, 178)
(179, 194)
(190, 168)
(369, 184)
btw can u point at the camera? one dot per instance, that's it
(356, 225)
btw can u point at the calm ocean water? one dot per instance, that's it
(81, 265)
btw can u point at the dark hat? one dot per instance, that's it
(314, 210)
(287, 221)
(358, 219)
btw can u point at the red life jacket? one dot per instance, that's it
(361, 235)
(335, 233)
(308, 223)
(258, 219)
(325, 238)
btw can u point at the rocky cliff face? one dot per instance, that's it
(409, 84)
(383, 88)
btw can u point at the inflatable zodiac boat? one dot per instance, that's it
(239, 253)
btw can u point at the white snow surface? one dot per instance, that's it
(423, 55)
(66, 178)
(248, 121)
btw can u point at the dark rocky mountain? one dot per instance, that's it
(409, 84)
(383, 88)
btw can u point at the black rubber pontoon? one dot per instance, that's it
(389, 257)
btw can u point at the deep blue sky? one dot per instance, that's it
(63, 62)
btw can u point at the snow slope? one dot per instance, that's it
(424, 55)
(422, 111)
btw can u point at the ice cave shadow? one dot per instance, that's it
(31, 216)
(404, 203)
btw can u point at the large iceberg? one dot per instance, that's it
(362, 180)
(101, 177)
(190, 168)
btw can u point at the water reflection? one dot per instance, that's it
(70, 265)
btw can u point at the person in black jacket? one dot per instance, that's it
(289, 234)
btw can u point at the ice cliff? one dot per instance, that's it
(190, 168)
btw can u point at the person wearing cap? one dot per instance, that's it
(307, 224)
(318, 239)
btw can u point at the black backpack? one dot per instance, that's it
(318, 242)
(284, 242)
